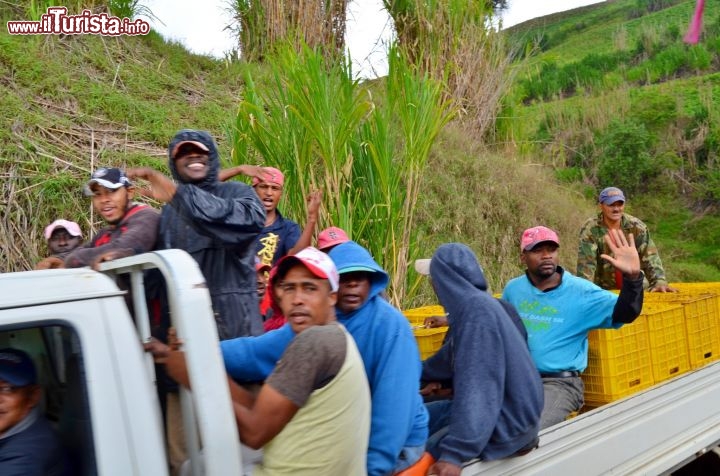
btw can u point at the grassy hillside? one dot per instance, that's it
(74, 103)
(612, 96)
(71, 104)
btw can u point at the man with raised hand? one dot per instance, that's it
(592, 245)
(280, 236)
(215, 222)
(559, 309)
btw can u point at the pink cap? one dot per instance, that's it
(331, 236)
(71, 227)
(316, 261)
(272, 175)
(533, 236)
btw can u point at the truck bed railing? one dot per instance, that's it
(652, 432)
(192, 316)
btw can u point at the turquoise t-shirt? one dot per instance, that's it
(558, 321)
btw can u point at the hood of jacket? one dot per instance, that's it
(213, 158)
(456, 275)
(350, 256)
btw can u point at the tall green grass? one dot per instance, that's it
(325, 131)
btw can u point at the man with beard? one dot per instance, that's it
(559, 309)
(131, 227)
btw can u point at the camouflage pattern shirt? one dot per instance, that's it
(592, 244)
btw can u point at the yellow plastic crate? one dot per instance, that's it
(668, 340)
(696, 288)
(417, 315)
(429, 341)
(619, 362)
(701, 323)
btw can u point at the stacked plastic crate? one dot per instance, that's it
(675, 333)
(429, 340)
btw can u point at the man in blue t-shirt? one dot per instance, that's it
(559, 309)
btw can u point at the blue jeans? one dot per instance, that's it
(408, 457)
(439, 412)
(562, 397)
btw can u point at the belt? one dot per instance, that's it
(563, 374)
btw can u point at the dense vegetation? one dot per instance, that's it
(637, 110)
(611, 95)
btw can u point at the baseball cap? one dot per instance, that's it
(316, 261)
(610, 195)
(110, 177)
(260, 266)
(535, 235)
(16, 367)
(71, 227)
(422, 266)
(194, 143)
(331, 236)
(271, 175)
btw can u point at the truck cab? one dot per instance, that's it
(99, 385)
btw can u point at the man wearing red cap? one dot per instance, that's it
(280, 236)
(329, 238)
(312, 415)
(559, 309)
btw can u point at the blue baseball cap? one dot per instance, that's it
(611, 195)
(17, 368)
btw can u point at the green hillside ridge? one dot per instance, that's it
(73, 103)
(612, 97)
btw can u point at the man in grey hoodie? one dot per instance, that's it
(497, 391)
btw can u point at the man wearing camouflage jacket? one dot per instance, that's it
(612, 215)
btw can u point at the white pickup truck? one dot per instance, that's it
(100, 393)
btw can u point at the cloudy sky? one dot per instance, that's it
(202, 29)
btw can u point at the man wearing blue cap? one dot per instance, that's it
(612, 216)
(28, 445)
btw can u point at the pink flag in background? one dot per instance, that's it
(693, 34)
